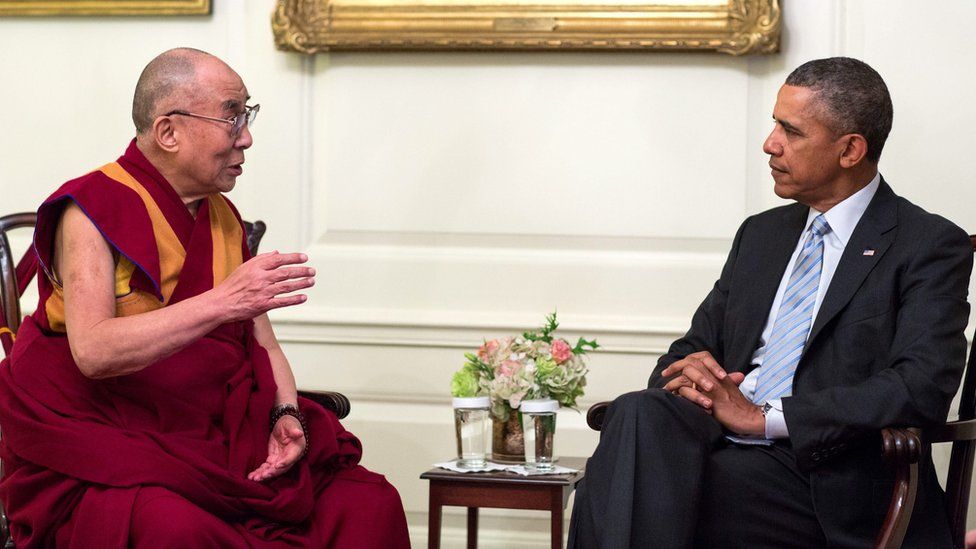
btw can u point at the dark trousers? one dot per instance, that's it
(664, 476)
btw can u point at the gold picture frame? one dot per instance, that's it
(105, 7)
(736, 27)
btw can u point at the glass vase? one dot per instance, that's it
(506, 441)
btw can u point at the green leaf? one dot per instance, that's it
(582, 344)
(544, 333)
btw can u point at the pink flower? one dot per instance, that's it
(509, 368)
(488, 349)
(561, 351)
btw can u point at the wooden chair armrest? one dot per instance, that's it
(338, 403)
(595, 415)
(901, 445)
(901, 448)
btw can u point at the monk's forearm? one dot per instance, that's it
(287, 392)
(124, 345)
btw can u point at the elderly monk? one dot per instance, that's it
(147, 402)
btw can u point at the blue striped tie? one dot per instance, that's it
(793, 319)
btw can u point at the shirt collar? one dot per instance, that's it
(844, 216)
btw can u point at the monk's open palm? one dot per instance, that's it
(285, 447)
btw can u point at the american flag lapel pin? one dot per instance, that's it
(868, 252)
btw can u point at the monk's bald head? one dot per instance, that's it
(171, 75)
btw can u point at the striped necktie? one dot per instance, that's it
(793, 319)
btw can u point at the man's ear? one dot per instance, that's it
(855, 150)
(164, 134)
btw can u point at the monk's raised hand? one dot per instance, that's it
(285, 447)
(263, 283)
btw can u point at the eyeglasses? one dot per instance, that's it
(237, 123)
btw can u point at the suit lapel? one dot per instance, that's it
(873, 232)
(770, 262)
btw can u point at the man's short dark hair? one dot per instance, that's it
(853, 96)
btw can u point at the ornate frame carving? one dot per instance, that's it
(730, 26)
(105, 7)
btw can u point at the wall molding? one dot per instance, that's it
(465, 329)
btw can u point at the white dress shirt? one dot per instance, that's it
(842, 218)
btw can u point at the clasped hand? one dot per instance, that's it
(261, 283)
(700, 379)
(285, 447)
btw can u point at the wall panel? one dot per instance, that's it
(445, 198)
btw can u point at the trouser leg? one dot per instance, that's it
(643, 483)
(755, 497)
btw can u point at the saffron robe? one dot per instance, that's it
(82, 456)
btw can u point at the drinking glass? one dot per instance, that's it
(472, 425)
(539, 426)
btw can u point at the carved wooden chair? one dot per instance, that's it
(902, 447)
(14, 278)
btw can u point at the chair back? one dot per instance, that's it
(14, 278)
(254, 232)
(960, 475)
(967, 400)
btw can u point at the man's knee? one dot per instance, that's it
(637, 399)
(652, 401)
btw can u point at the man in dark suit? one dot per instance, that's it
(833, 317)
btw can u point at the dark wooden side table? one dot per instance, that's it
(501, 490)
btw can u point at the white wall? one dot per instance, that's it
(448, 197)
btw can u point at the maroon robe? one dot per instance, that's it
(166, 451)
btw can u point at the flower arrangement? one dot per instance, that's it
(535, 365)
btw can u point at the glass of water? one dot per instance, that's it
(472, 425)
(539, 426)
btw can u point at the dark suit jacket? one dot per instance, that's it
(887, 349)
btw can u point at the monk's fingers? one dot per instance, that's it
(289, 286)
(273, 260)
(260, 473)
(287, 273)
(286, 301)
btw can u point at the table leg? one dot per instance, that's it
(434, 520)
(557, 520)
(472, 528)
